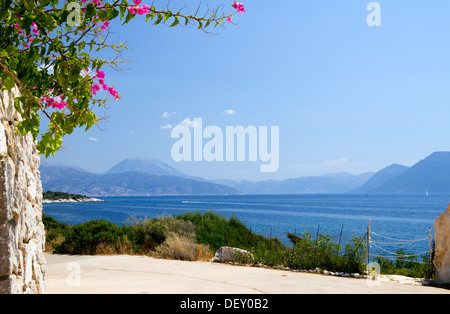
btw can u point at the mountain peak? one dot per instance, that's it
(141, 164)
(380, 178)
(432, 173)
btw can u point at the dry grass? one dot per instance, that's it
(122, 247)
(49, 244)
(178, 247)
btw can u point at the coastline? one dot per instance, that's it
(74, 200)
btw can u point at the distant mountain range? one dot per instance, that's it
(328, 183)
(431, 174)
(379, 179)
(139, 176)
(137, 180)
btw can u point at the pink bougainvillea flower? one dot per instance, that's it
(146, 9)
(238, 6)
(60, 105)
(229, 19)
(137, 2)
(100, 74)
(132, 9)
(105, 25)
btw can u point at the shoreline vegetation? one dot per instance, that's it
(196, 236)
(61, 197)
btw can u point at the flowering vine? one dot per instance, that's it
(50, 51)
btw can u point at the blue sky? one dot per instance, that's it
(346, 96)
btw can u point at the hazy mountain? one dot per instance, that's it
(139, 176)
(152, 166)
(329, 183)
(380, 178)
(432, 174)
(56, 177)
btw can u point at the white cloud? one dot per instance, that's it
(167, 115)
(229, 111)
(167, 126)
(189, 123)
(94, 139)
(334, 162)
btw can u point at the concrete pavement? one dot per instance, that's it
(123, 274)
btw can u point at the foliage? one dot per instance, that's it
(51, 51)
(308, 253)
(196, 235)
(407, 264)
(86, 238)
(216, 231)
(53, 228)
(50, 195)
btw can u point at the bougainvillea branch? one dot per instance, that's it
(52, 50)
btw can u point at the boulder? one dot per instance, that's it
(229, 254)
(442, 249)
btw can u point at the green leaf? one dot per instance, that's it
(90, 11)
(74, 75)
(175, 23)
(167, 15)
(7, 81)
(159, 19)
(112, 14)
(102, 14)
(129, 17)
(18, 105)
(34, 124)
(36, 41)
(122, 9)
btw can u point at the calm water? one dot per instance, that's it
(397, 217)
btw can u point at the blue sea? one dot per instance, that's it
(396, 221)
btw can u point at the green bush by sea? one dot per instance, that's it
(197, 236)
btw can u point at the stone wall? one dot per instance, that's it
(22, 235)
(442, 246)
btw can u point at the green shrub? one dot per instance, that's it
(217, 230)
(178, 247)
(87, 237)
(194, 234)
(407, 264)
(308, 253)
